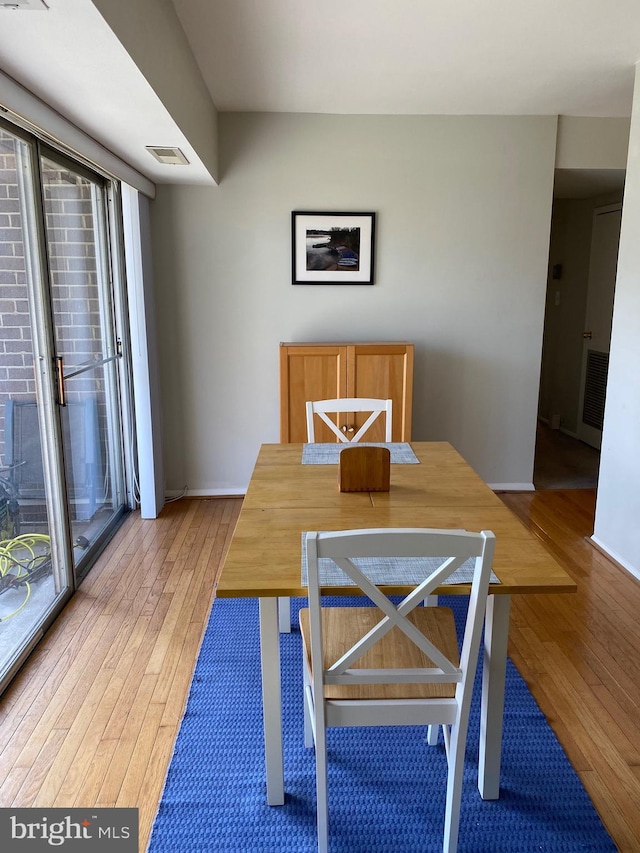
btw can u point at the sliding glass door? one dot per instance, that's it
(34, 557)
(62, 485)
(86, 348)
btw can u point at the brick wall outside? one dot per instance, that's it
(73, 283)
(16, 352)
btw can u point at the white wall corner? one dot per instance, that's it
(146, 383)
(590, 142)
(618, 502)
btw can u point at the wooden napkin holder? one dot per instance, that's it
(364, 469)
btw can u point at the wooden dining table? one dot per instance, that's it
(440, 490)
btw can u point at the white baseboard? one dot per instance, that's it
(512, 487)
(216, 493)
(238, 492)
(570, 433)
(633, 570)
(561, 429)
(207, 493)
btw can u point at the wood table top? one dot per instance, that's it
(286, 498)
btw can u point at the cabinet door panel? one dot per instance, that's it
(383, 371)
(320, 371)
(309, 373)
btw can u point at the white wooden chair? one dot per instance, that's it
(388, 664)
(348, 404)
(321, 408)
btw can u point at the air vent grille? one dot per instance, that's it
(595, 388)
(169, 156)
(24, 5)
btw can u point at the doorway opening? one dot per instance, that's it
(585, 230)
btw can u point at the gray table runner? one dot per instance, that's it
(388, 570)
(327, 454)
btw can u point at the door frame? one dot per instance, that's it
(585, 432)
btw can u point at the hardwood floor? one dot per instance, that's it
(580, 656)
(91, 719)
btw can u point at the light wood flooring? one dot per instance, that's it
(92, 718)
(580, 656)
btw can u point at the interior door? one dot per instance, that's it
(603, 264)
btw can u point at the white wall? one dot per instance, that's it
(464, 206)
(152, 34)
(144, 348)
(617, 527)
(587, 142)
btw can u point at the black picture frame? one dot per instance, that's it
(332, 248)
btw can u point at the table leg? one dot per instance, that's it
(496, 635)
(271, 700)
(284, 614)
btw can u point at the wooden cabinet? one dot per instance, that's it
(321, 371)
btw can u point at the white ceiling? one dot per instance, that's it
(567, 57)
(571, 57)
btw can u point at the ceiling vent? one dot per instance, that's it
(170, 156)
(25, 5)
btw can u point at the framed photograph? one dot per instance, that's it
(332, 248)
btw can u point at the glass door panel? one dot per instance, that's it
(35, 575)
(86, 349)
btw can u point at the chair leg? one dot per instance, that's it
(321, 790)
(455, 759)
(432, 735)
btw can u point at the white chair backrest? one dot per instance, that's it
(450, 548)
(348, 404)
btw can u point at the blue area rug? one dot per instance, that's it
(386, 785)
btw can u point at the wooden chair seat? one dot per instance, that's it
(342, 627)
